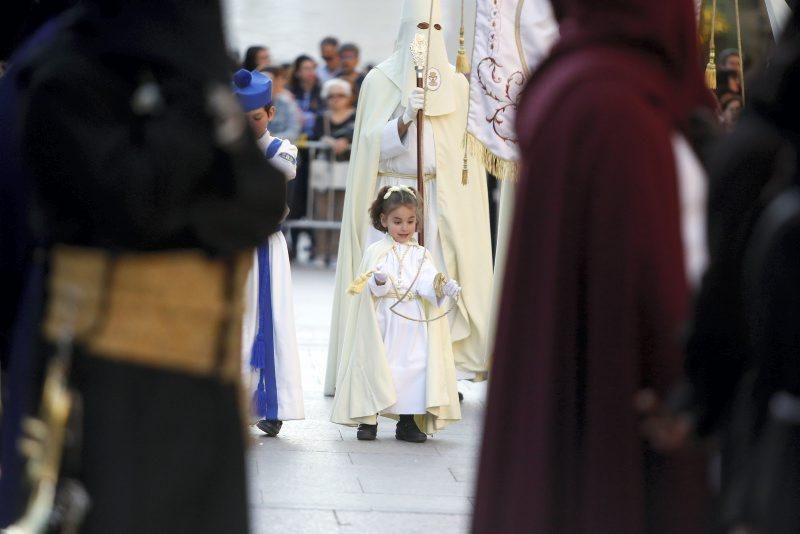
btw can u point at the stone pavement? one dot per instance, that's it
(315, 477)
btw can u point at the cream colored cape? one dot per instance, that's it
(463, 213)
(364, 384)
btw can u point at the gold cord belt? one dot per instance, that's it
(407, 296)
(427, 177)
(177, 310)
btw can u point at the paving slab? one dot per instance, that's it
(316, 477)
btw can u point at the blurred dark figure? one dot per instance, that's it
(742, 350)
(596, 286)
(329, 52)
(148, 194)
(23, 17)
(256, 58)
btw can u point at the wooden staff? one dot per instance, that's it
(419, 54)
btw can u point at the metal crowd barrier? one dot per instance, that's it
(315, 148)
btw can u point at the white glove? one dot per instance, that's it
(379, 275)
(416, 101)
(451, 288)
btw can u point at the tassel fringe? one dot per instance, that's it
(462, 63)
(258, 356)
(358, 284)
(502, 169)
(711, 70)
(260, 398)
(711, 76)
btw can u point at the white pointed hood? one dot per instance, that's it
(399, 67)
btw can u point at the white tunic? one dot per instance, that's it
(406, 341)
(288, 380)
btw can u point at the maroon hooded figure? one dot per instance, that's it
(595, 289)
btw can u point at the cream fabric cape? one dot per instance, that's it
(364, 384)
(463, 214)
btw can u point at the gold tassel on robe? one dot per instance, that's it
(462, 63)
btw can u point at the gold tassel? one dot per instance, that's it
(359, 283)
(462, 63)
(711, 71)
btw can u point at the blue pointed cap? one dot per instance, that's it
(253, 89)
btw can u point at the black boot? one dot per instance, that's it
(407, 430)
(269, 427)
(367, 432)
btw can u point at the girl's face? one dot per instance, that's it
(259, 120)
(401, 223)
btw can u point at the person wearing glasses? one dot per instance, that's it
(334, 127)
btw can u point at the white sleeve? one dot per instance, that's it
(391, 144)
(285, 160)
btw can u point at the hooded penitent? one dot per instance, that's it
(595, 287)
(462, 209)
(441, 82)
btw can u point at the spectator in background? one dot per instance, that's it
(257, 58)
(349, 57)
(730, 59)
(306, 89)
(288, 118)
(329, 175)
(329, 52)
(730, 107)
(728, 81)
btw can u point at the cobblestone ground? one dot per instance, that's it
(315, 477)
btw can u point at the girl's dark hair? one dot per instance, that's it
(396, 199)
(249, 62)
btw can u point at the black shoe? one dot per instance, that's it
(367, 432)
(460, 397)
(407, 430)
(270, 428)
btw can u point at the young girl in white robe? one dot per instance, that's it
(398, 359)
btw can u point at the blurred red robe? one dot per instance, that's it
(595, 289)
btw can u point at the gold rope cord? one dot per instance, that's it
(408, 292)
(462, 63)
(711, 67)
